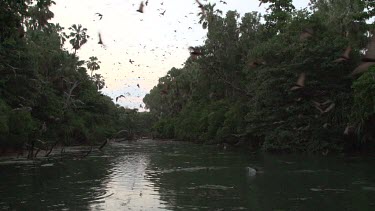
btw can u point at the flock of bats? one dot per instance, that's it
(367, 61)
(194, 52)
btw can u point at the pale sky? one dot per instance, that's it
(148, 38)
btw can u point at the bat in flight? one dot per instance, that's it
(100, 15)
(118, 97)
(368, 60)
(140, 9)
(300, 82)
(345, 56)
(100, 39)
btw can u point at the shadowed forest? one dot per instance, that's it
(289, 80)
(285, 81)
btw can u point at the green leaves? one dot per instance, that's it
(43, 84)
(279, 13)
(364, 98)
(204, 25)
(21, 122)
(93, 64)
(241, 84)
(77, 36)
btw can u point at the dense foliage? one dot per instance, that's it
(271, 82)
(46, 94)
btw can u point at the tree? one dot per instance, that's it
(275, 85)
(45, 91)
(77, 37)
(93, 64)
(98, 81)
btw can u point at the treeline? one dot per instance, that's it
(46, 93)
(282, 81)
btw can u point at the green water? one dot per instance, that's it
(160, 175)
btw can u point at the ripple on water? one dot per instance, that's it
(192, 169)
(18, 162)
(337, 190)
(368, 188)
(47, 165)
(214, 187)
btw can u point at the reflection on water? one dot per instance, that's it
(161, 175)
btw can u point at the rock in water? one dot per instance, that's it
(251, 172)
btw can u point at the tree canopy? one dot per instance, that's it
(46, 94)
(281, 81)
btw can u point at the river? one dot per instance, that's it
(166, 175)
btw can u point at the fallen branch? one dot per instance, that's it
(51, 149)
(61, 153)
(36, 153)
(103, 144)
(87, 153)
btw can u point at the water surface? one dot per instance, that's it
(165, 175)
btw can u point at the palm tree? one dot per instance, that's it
(98, 81)
(78, 35)
(93, 64)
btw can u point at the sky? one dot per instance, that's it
(155, 42)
